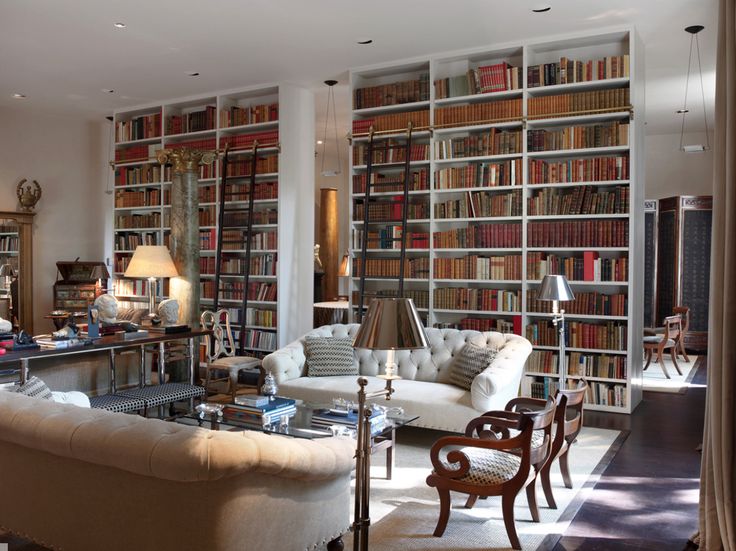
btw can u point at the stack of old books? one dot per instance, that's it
(259, 410)
(325, 418)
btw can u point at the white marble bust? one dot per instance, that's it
(168, 311)
(5, 326)
(107, 306)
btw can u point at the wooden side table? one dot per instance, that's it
(328, 313)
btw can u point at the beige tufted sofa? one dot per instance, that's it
(85, 480)
(425, 388)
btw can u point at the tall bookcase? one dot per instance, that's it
(142, 199)
(519, 169)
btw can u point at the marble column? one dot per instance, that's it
(184, 241)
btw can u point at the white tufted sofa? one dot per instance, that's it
(87, 479)
(425, 388)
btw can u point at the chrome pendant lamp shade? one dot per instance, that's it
(555, 287)
(391, 324)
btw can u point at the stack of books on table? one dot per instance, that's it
(325, 418)
(259, 410)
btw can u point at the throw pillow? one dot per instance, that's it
(35, 388)
(328, 356)
(469, 363)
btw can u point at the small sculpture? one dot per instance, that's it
(69, 331)
(269, 387)
(168, 311)
(28, 197)
(5, 326)
(107, 307)
(317, 260)
(23, 338)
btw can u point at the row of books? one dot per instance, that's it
(390, 238)
(542, 361)
(8, 228)
(480, 204)
(264, 165)
(563, 105)
(541, 388)
(587, 267)
(208, 239)
(267, 138)
(593, 304)
(394, 152)
(490, 324)
(240, 218)
(578, 137)
(489, 300)
(238, 115)
(392, 122)
(136, 153)
(481, 80)
(414, 268)
(129, 241)
(493, 142)
(472, 266)
(233, 290)
(256, 338)
(480, 236)
(259, 317)
(596, 365)
(147, 197)
(418, 180)
(9, 243)
(394, 93)
(138, 128)
(129, 287)
(419, 296)
(580, 200)
(601, 336)
(604, 394)
(262, 264)
(120, 262)
(148, 173)
(485, 174)
(567, 71)
(588, 169)
(235, 240)
(579, 233)
(259, 412)
(207, 216)
(130, 221)
(392, 210)
(478, 113)
(238, 191)
(194, 121)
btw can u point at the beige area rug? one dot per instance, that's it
(655, 380)
(404, 510)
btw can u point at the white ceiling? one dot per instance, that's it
(61, 54)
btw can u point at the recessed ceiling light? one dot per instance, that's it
(366, 41)
(107, 90)
(320, 142)
(682, 111)
(192, 73)
(19, 96)
(541, 8)
(120, 25)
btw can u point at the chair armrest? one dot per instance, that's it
(501, 421)
(528, 404)
(286, 363)
(487, 383)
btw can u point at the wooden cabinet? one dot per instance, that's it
(683, 262)
(650, 263)
(78, 284)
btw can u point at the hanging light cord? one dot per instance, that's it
(109, 169)
(694, 37)
(702, 92)
(331, 102)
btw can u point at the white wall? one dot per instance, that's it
(671, 172)
(66, 156)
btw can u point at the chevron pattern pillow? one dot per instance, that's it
(36, 388)
(328, 356)
(469, 363)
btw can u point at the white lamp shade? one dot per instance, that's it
(391, 324)
(151, 261)
(555, 287)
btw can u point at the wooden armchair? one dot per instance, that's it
(568, 423)
(220, 352)
(665, 341)
(495, 458)
(684, 313)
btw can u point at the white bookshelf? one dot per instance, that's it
(285, 170)
(592, 45)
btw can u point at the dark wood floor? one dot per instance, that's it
(647, 498)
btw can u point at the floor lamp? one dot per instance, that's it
(390, 324)
(556, 289)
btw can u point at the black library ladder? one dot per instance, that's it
(240, 219)
(385, 146)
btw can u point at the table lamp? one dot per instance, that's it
(99, 272)
(390, 324)
(556, 289)
(344, 271)
(151, 262)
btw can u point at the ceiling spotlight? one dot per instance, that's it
(682, 111)
(120, 25)
(107, 90)
(19, 96)
(193, 74)
(541, 8)
(320, 142)
(366, 41)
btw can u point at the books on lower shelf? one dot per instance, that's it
(325, 418)
(392, 122)
(588, 169)
(564, 105)
(480, 174)
(589, 266)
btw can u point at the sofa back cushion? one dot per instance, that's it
(431, 364)
(471, 361)
(327, 356)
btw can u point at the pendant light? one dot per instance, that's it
(110, 166)
(330, 104)
(694, 148)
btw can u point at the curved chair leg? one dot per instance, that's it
(649, 357)
(508, 518)
(444, 511)
(681, 346)
(565, 469)
(674, 360)
(661, 364)
(547, 485)
(531, 498)
(472, 498)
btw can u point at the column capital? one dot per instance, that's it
(185, 159)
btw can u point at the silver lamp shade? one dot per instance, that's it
(555, 287)
(391, 324)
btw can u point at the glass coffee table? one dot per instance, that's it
(301, 426)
